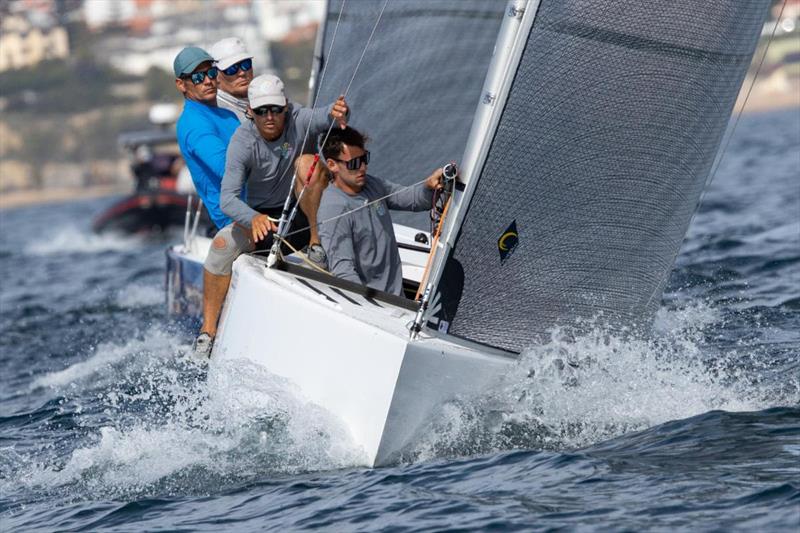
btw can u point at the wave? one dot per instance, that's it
(575, 391)
(72, 240)
(156, 423)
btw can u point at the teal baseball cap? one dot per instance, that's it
(188, 59)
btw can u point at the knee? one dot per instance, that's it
(221, 255)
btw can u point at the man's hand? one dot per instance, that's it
(434, 181)
(261, 225)
(339, 112)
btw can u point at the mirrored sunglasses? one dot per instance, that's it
(355, 163)
(244, 65)
(274, 109)
(199, 77)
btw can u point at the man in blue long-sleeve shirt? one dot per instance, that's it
(204, 130)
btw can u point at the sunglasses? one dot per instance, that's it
(199, 77)
(245, 65)
(274, 109)
(355, 163)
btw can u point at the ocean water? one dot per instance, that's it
(105, 426)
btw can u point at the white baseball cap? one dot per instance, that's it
(266, 90)
(230, 51)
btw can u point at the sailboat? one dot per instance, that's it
(585, 133)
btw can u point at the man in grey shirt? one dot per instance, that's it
(235, 66)
(261, 158)
(361, 245)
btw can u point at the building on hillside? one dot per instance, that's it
(277, 18)
(30, 35)
(158, 29)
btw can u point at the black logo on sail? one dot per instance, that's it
(508, 241)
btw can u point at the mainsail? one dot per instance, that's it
(417, 88)
(604, 141)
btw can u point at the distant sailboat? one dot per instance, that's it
(585, 130)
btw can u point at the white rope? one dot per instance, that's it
(365, 205)
(333, 122)
(282, 225)
(355, 71)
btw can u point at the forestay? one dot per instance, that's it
(417, 89)
(608, 134)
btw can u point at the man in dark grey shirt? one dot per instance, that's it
(355, 226)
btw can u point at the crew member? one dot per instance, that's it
(261, 158)
(203, 128)
(235, 66)
(361, 245)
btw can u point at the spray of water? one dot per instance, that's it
(148, 421)
(577, 390)
(72, 239)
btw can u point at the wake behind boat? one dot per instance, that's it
(586, 135)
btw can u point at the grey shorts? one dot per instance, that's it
(229, 243)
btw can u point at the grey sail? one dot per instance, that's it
(416, 91)
(610, 128)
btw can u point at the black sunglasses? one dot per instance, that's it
(355, 163)
(199, 77)
(245, 65)
(274, 109)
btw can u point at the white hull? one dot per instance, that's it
(350, 353)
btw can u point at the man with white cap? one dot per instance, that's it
(235, 66)
(262, 155)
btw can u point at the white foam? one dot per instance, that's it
(133, 296)
(576, 391)
(169, 430)
(109, 359)
(71, 239)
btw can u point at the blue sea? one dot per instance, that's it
(105, 425)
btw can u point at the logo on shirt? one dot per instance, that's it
(380, 209)
(285, 149)
(508, 242)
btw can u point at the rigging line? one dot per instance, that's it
(713, 173)
(322, 75)
(744, 103)
(358, 65)
(319, 154)
(365, 205)
(311, 120)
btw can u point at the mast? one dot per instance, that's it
(511, 40)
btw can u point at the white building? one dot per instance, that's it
(23, 44)
(279, 17)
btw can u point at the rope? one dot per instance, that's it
(366, 204)
(318, 155)
(286, 221)
(744, 104)
(355, 70)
